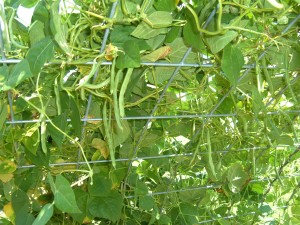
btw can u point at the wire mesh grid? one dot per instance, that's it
(199, 121)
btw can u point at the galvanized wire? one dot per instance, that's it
(152, 116)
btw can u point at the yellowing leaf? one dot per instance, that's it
(157, 54)
(110, 52)
(7, 168)
(60, 169)
(9, 212)
(102, 146)
(6, 177)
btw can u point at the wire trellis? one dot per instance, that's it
(152, 117)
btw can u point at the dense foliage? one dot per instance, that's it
(150, 112)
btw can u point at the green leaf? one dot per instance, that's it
(285, 140)
(189, 213)
(3, 114)
(232, 63)
(192, 38)
(7, 168)
(58, 28)
(217, 43)
(164, 220)
(82, 202)
(19, 73)
(44, 215)
(146, 202)
(159, 19)
(29, 3)
(4, 73)
(64, 197)
(31, 139)
(21, 204)
(165, 5)
(40, 53)
(144, 31)
(109, 207)
(101, 187)
(36, 32)
(130, 58)
(178, 51)
(61, 122)
(120, 34)
(236, 177)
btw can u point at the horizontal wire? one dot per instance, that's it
(163, 64)
(235, 216)
(206, 187)
(155, 117)
(152, 157)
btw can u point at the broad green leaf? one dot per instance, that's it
(40, 53)
(159, 19)
(44, 215)
(3, 114)
(36, 32)
(82, 202)
(61, 122)
(120, 34)
(236, 177)
(232, 63)
(178, 51)
(144, 31)
(130, 58)
(156, 41)
(29, 3)
(7, 168)
(120, 136)
(164, 220)
(19, 73)
(192, 38)
(165, 5)
(285, 140)
(21, 205)
(64, 197)
(173, 33)
(109, 207)
(58, 28)
(146, 6)
(101, 187)
(146, 202)
(31, 139)
(217, 43)
(189, 213)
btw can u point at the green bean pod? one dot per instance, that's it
(122, 91)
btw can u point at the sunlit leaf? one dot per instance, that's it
(44, 215)
(40, 53)
(7, 168)
(101, 146)
(217, 43)
(232, 63)
(130, 58)
(19, 73)
(236, 177)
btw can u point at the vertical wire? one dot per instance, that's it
(105, 37)
(210, 17)
(242, 77)
(3, 56)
